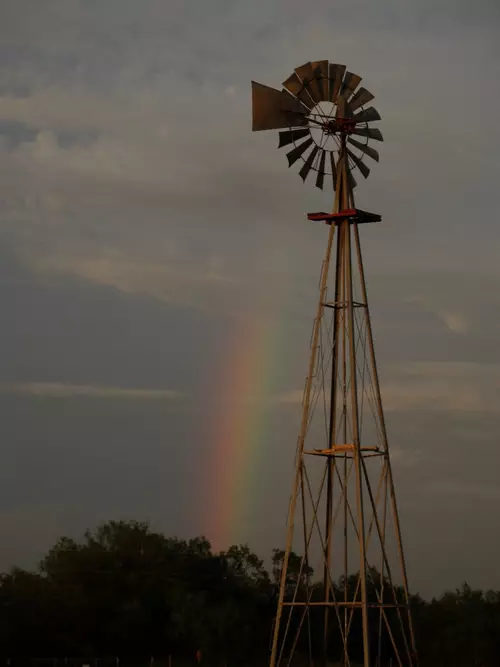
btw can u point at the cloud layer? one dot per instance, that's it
(141, 222)
(60, 390)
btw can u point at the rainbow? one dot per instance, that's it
(241, 412)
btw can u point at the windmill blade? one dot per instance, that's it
(294, 154)
(368, 132)
(343, 108)
(359, 163)
(352, 180)
(335, 76)
(307, 76)
(306, 167)
(349, 84)
(305, 72)
(360, 98)
(269, 109)
(296, 87)
(291, 103)
(367, 116)
(364, 148)
(320, 69)
(334, 170)
(321, 171)
(289, 137)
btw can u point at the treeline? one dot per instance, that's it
(127, 591)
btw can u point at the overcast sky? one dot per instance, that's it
(153, 248)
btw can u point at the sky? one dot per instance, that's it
(158, 276)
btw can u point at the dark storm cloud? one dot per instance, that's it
(139, 217)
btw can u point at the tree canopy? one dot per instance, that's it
(125, 590)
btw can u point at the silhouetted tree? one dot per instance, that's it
(127, 590)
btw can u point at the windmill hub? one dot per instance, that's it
(339, 126)
(323, 118)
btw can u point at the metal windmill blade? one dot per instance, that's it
(333, 167)
(360, 98)
(370, 133)
(296, 153)
(307, 76)
(320, 69)
(343, 108)
(290, 103)
(364, 148)
(306, 168)
(273, 109)
(367, 116)
(291, 136)
(349, 84)
(321, 171)
(335, 76)
(295, 86)
(359, 163)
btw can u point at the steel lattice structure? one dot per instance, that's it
(343, 512)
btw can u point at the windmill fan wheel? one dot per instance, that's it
(323, 109)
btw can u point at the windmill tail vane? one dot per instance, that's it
(349, 604)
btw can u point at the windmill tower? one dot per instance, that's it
(348, 602)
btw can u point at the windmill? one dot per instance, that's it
(343, 514)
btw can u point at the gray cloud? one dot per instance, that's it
(60, 390)
(143, 227)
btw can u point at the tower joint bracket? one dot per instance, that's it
(353, 215)
(342, 305)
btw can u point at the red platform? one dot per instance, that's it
(354, 215)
